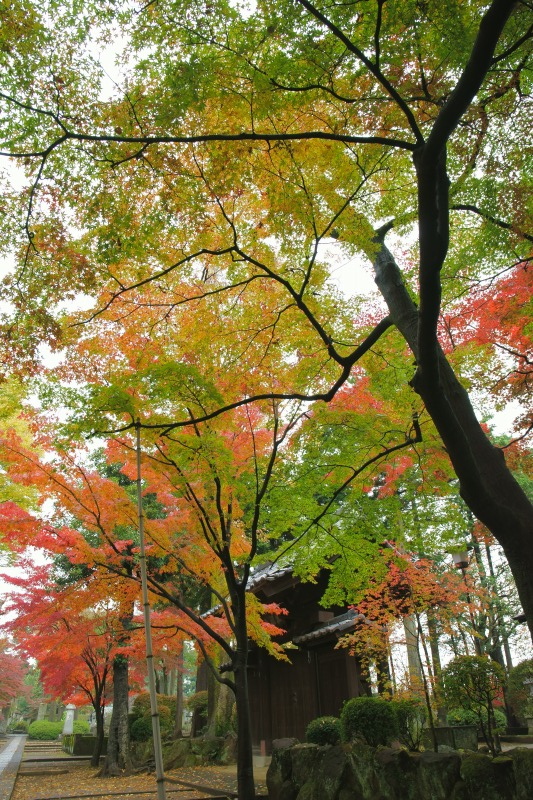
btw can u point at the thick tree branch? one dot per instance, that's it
(372, 68)
(347, 362)
(490, 218)
(480, 61)
(433, 185)
(203, 138)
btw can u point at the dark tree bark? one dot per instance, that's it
(437, 667)
(245, 770)
(238, 653)
(486, 483)
(118, 759)
(213, 687)
(178, 718)
(100, 734)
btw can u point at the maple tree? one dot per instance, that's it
(494, 327)
(86, 513)
(412, 498)
(73, 647)
(13, 674)
(245, 144)
(412, 588)
(215, 487)
(12, 396)
(176, 555)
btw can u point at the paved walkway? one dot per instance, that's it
(47, 758)
(10, 756)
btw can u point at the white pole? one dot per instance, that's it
(158, 754)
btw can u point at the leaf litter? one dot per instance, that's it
(82, 782)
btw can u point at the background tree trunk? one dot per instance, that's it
(416, 676)
(437, 668)
(118, 759)
(178, 718)
(100, 733)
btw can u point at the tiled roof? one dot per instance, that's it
(341, 624)
(268, 573)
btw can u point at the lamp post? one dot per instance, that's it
(460, 561)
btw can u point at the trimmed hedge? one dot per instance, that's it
(81, 726)
(141, 704)
(461, 716)
(44, 730)
(370, 718)
(197, 702)
(324, 730)
(141, 729)
(19, 726)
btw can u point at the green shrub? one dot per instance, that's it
(166, 720)
(324, 730)
(519, 693)
(371, 718)
(18, 726)
(474, 683)
(461, 716)
(44, 730)
(411, 716)
(141, 729)
(141, 705)
(197, 702)
(81, 726)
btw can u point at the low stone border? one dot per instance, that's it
(360, 772)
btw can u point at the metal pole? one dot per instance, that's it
(158, 754)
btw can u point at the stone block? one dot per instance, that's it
(361, 774)
(306, 761)
(487, 779)
(523, 772)
(397, 772)
(437, 774)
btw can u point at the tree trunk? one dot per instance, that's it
(416, 678)
(223, 714)
(213, 687)
(384, 677)
(178, 718)
(100, 733)
(245, 769)
(437, 667)
(486, 484)
(118, 760)
(500, 631)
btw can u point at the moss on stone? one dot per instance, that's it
(488, 779)
(523, 772)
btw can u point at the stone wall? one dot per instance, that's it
(360, 772)
(189, 752)
(81, 744)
